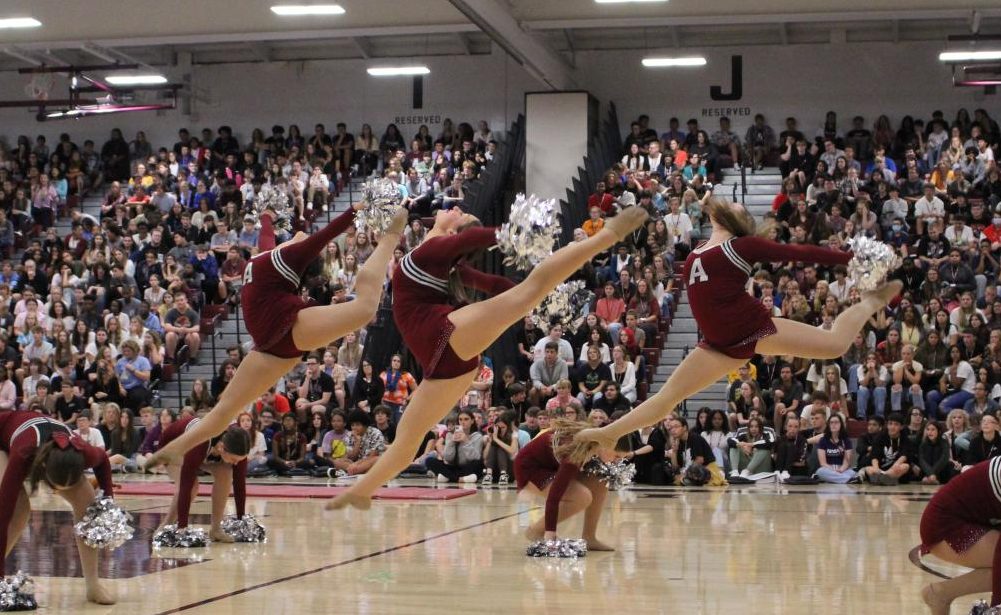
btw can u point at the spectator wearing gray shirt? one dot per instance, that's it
(545, 373)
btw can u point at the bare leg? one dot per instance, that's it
(22, 509)
(592, 514)
(576, 498)
(174, 473)
(318, 326)
(939, 596)
(701, 368)
(256, 373)
(429, 403)
(222, 482)
(79, 497)
(801, 340)
(477, 325)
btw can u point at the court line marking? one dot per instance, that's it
(306, 573)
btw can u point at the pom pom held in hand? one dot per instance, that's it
(564, 305)
(17, 593)
(527, 238)
(872, 262)
(247, 529)
(277, 201)
(572, 548)
(615, 474)
(105, 524)
(170, 536)
(382, 198)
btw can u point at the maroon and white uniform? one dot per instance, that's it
(422, 303)
(193, 461)
(22, 433)
(963, 510)
(731, 320)
(269, 298)
(537, 464)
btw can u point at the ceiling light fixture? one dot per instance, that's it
(298, 10)
(396, 71)
(19, 22)
(969, 56)
(665, 62)
(136, 79)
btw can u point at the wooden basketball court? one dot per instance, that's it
(759, 549)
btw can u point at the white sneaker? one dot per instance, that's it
(504, 479)
(736, 166)
(784, 476)
(468, 478)
(488, 478)
(441, 478)
(734, 473)
(745, 474)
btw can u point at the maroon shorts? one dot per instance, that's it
(269, 320)
(745, 348)
(433, 352)
(444, 363)
(524, 474)
(947, 522)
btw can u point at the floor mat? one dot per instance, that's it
(298, 491)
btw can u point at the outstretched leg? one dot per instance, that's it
(802, 340)
(939, 596)
(80, 496)
(317, 326)
(480, 324)
(256, 373)
(432, 400)
(701, 368)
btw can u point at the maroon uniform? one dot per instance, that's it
(963, 510)
(422, 302)
(21, 435)
(193, 461)
(269, 297)
(537, 464)
(731, 320)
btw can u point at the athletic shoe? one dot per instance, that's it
(856, 480)
(441, 478)
(431, 475)
(734, 473)
(783, 476)
(468, 478)
(745, 474)
(488, 478)
(503, 480)
(883, 479)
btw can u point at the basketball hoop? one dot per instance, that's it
(40, 86)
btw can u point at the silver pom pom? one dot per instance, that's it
(17, 593)
(382, 197)
(872, 262)
(277, 201)
(615, 474)
(105, 524)
(247, 529)
(980, 607)
(572, 548)
(171, 537)
(564, 305)
(527, 238)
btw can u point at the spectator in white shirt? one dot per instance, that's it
(86, 433)
(929, 209)
(679, 226)
(958, 234)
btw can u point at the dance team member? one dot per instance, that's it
(36, 448)
(282, 324)
(447, 340)
(225, 458)
(959, 526)
(549, 467)
(734, 324)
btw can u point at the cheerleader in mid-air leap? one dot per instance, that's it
(36, 448)
(282, 324)
(447, 340)
(734, 324)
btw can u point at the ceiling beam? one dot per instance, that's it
(466, 42)
(14, 52)
(184, 40)
(494, 18)
(364, 46)
(97, 53)
(263, 53)
(761, 18)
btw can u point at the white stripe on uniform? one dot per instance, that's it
(415, 273)
(33, 424)
(735, 258)
(994, 474)
(285, 271)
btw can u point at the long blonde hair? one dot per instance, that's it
(740, 223)
(565, 448)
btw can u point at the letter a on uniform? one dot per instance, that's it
(698, 273)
